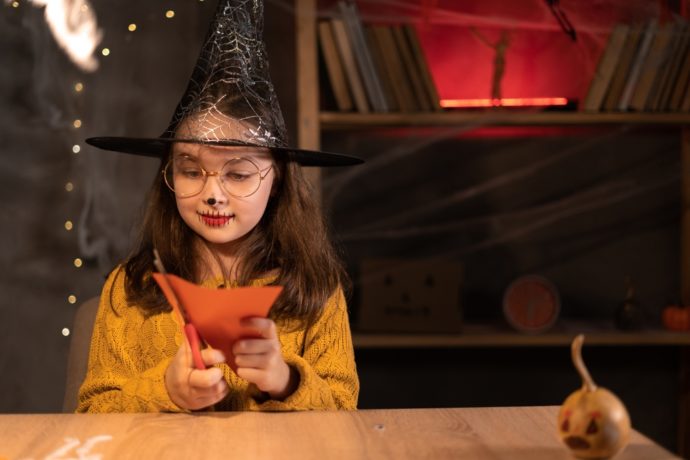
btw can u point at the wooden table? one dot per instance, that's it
(475, 433)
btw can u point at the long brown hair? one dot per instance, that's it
(290, 239)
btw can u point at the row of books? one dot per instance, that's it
(643, 69)
(375, 68)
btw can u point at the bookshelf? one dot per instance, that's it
(312, 124)
(492, 336)
(338, 120)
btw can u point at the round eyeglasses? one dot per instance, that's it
(239, 177)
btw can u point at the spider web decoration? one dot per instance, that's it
(231, 80)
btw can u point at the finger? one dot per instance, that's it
(215, 392)
(201, 402)
(259, 361)
(184, 354)
(202, 379)
(264, 327)
(251, 346)
(212, 356)
(256, 376)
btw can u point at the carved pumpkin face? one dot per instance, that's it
(593, 424)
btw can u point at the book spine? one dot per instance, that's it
(353, 77)
(411, 70)
(607, 64)
(636, 67)
(423, 66)
(334, 67)
(355, 31)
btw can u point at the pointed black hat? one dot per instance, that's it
(230, 100)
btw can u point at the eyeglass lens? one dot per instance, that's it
(239, 177)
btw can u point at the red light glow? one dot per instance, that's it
(505, 102)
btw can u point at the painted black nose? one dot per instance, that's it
(211, 201)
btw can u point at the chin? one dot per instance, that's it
(219, 235)
(219, 239)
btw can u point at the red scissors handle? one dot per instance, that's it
(195, 344)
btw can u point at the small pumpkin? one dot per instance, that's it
(676, 318)
(592, 421)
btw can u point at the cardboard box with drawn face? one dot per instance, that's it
(410, 295)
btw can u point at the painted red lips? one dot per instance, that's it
(215, 219)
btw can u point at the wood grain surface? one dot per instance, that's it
(478, 433)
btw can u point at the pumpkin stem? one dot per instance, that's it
(576, 349)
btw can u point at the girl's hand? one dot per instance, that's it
(259, 360)
(192, 388)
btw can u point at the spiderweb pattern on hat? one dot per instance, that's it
(231, 79)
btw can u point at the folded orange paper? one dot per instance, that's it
(216, 313)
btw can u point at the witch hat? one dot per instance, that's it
(230, 100)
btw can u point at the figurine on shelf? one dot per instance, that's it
(629, 314)
(592, 421)
(500, 48)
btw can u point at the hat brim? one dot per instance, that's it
(159, 147)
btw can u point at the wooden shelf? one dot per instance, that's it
(343, 121)
(493, 337)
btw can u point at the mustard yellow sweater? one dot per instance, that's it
(130, 353)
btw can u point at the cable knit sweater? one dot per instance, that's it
(130, 353)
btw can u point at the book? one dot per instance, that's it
(682, 80)
(370, 78)
(685, 107)
(334, 67)
(377, 56)
(423, 66)
(655, 59)
(411, 70)
(607, 64)
(348, 60)
(620, 75)
(669, 67)
(636, 67)
(393, 65)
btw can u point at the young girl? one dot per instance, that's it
(229, 207)
(226, 216)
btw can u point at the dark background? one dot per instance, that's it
(603, 204)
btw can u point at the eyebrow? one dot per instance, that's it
(181, 149)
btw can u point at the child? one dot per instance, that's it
(229, 207)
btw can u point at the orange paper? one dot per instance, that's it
(216, 313)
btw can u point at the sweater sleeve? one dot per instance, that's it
(118, 378)
(327, 370)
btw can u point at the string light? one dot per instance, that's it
(76, 148)
(65, 331)
(15, 4)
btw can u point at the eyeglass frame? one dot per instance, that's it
(217, 174)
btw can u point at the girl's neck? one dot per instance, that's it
(218, 261)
